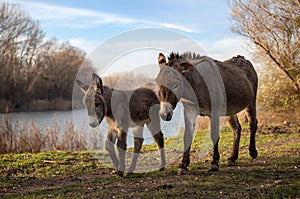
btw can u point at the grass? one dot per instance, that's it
(274, 174)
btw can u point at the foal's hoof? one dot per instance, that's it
(230, 162)
(130, 174)
(181, 171)
(253, 153)
(214, 167)
(114, 171)
(162, 169)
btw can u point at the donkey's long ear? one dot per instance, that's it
(97, 81)
(162, 60)
(82, 87)
(184, 66)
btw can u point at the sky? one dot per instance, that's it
(92, 23)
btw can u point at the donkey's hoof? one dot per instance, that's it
(162, 169)
(120, 173)
(253, 153)
(182, 171)
(230, 162)
(214, 167)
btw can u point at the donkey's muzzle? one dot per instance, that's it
(93, 121)
(166, 111)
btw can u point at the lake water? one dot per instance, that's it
(80, 121)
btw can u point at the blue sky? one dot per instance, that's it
(87, 24)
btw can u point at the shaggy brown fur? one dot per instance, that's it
(212, 88)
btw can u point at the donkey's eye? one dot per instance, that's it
(98, 106)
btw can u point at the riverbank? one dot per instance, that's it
(37, 105)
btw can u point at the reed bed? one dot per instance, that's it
(29, 137)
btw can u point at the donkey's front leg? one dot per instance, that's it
(138, 142)
(215, 135)
(110, 146)
(122, 146)
(189, 119)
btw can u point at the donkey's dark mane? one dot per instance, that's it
(191, 55)
(173, 56)
(186, 55)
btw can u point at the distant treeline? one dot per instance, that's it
(128, 81)
(33, 70)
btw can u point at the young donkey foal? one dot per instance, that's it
(123, 110)
(209, 88)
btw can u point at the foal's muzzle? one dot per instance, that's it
(94, 121)
(167, 117)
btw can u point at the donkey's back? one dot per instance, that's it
(240, 81)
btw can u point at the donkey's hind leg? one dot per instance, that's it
(154, 127)
(236, 129)
(138, 142)
(251, 114)
(110, 148)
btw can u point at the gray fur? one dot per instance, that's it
(123, 110)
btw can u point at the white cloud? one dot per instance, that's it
(176, 27)
(87, 18)
(87, 45)
(227, 48)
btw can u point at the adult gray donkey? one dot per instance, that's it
(210, 88)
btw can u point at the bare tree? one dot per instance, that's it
(57, 65)
(20, 39)
(274, 27)
(31, 68)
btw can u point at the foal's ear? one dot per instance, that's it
(162, 60)
(97, 81)
(82, 87)
(184, 66)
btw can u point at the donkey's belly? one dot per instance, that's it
(235, 109)
(230, 109)
(136, 123)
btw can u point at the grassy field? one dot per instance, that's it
(274, 174)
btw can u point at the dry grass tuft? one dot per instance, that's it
(31, 138)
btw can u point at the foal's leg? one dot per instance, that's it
(236, 129)
(215, 135)
(251, 114)
(189, 119)
(138, 142)
(110, 146)
(122, 146)
(154, 127)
